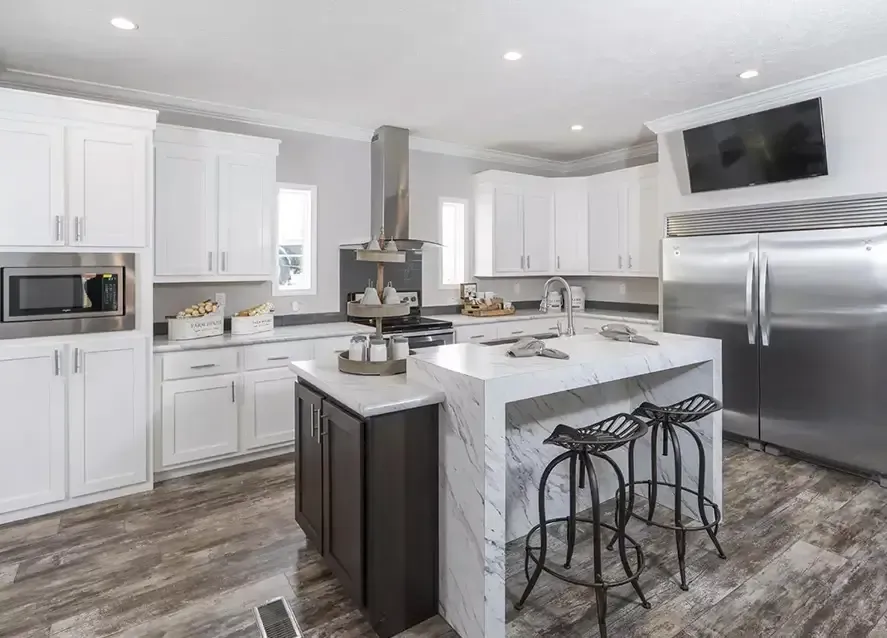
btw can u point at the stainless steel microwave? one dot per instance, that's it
(47, 294)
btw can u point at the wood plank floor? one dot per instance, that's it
(807, 557)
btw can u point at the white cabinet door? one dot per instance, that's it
(108, 419)
(538, 232)
(32, 429)
(245, 209)
(606, 203)
(199, 419)
(32, 187)
(508, 235)
(268, 409)
(331, 347)
(107, 182)
(185, 215)
(571, 226)
(645, 227)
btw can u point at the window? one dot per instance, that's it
(296, 245)
(452, 236)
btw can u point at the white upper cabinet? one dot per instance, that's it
(107, 187)
(246, 207)
(624, 222)
(32, 430)
(185, 208)
(73, 173)
(570, 226)
(32, 187)
(514, 224)
(606, 228)
(508, 238)
(214, 205)
(538, 230)
(108, 424)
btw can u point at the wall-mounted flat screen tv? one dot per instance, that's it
(778, 145)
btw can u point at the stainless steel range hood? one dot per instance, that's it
(390, 187)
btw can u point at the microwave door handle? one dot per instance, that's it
(750, 314)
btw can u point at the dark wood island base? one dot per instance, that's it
(367, 497)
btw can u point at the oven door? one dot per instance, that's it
(430, 339)
(49, 294)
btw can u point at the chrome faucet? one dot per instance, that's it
(571, 331)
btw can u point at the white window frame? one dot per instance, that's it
(277, 290)
(440, 205)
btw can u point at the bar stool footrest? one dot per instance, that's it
(682, 528)
(632, 544)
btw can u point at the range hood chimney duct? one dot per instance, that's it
(390, 186)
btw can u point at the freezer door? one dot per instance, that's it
(709, 290)
(823, 300)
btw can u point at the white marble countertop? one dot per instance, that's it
(367, 396)
(593, 359)
(525, 315)
(284, 333)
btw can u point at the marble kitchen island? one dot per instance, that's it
(497, 411)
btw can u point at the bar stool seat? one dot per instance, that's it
(582, 444)
(667, 419)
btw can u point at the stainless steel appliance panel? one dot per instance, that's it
(18, 264)
(709, 290)
(823, 316)
(430, 339)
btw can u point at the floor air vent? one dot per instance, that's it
(276, 620)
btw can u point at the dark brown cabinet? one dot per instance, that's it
(343, 531)
(367, 499)
(309, 465)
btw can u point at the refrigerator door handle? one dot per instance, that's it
(750, 313)
(762, 301)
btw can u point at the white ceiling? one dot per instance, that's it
(436, 67)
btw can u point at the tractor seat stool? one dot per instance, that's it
(582, 444)
(666, 419)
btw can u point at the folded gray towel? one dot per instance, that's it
(530, 347)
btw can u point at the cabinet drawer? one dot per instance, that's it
(476, 334)
(199, 363)
(331, 347)
(519, 328)
(276, 355)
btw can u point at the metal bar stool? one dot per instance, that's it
(583, 444)
(666, 419)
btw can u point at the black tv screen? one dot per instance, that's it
(778, 145)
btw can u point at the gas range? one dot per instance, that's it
(413, 325)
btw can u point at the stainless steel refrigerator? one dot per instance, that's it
(800, 307)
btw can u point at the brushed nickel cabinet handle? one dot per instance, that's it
(629, 262)
(76, 360)
(283, 358)
(233, 397)
(528, 262)
(210, 257)
(620, 262)
(58, 227)
(521, 262)
(558, 262)
(203, 366)
(57, 360)
(224, 261)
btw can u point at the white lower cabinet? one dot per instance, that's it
(477, 334)
(268, 409)
(199, 419)
(32, 430)
(75, 420)
(108, 424)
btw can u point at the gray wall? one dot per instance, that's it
(341, 171)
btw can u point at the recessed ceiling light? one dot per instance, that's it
(123, 23)
(576, 127)
(748, 75)
(513, 56)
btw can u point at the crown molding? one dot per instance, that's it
(647, 150)
(30, 81)
(764, 99)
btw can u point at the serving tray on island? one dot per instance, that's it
(371, 368)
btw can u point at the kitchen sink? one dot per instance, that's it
(509, 340)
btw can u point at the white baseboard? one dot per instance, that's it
(78, 501)
(208, 466)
